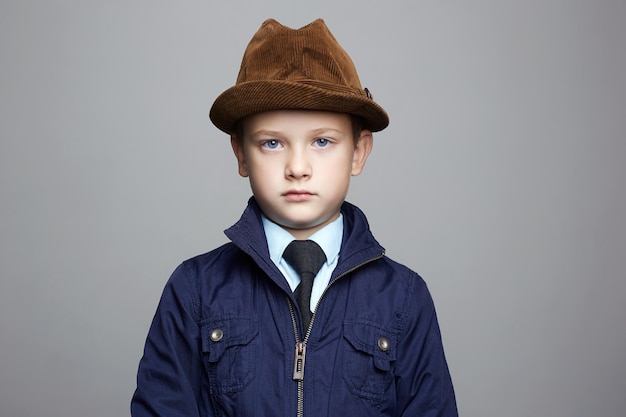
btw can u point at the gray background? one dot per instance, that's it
(500, 180)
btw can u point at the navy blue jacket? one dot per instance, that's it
(227, 340)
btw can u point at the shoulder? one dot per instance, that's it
(403, 272)
(217, 258)
(213, 264)
(412, 293)
(394, 273)
(200, 276)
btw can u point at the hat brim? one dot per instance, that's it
(248, 98)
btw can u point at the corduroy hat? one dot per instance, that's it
(303, 69)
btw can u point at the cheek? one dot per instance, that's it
(344, 165)
(338, 173)
(255, 167)
(263, 176)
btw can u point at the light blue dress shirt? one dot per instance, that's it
(329, 238)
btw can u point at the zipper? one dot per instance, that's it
(300, 351)
(298, 361)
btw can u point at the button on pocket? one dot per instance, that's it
(229, 348)
(217, 335)
(368, 358)
(383, 344)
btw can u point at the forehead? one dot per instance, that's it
(296, 122)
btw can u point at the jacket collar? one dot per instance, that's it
(358, 245)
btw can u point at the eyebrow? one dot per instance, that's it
(324, 130)
(265, 132)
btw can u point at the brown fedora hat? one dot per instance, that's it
(303, 69)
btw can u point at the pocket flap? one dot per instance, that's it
(220, 333)
(373, 339)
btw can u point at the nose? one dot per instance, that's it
(298, 164)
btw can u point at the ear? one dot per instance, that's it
(237, 146)
(361, 151)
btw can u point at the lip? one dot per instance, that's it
(298, 195)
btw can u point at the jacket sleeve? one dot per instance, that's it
(424, 386)
(171, 381)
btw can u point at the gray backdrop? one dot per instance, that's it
(500, 180)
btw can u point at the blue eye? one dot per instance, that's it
(322, 142)
(271, 144)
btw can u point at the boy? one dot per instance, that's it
(273, 324)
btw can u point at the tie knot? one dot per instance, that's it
(305, 256)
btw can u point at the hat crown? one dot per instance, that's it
(296, 69)
(309, 55)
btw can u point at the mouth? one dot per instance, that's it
(298, 195)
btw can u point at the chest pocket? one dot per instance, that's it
(369, 354)
(229, 347)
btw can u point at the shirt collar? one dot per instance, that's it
(329, 238)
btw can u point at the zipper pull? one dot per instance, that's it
(298, 363)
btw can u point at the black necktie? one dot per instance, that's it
(307, 258)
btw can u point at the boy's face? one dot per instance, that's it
(299, 164)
